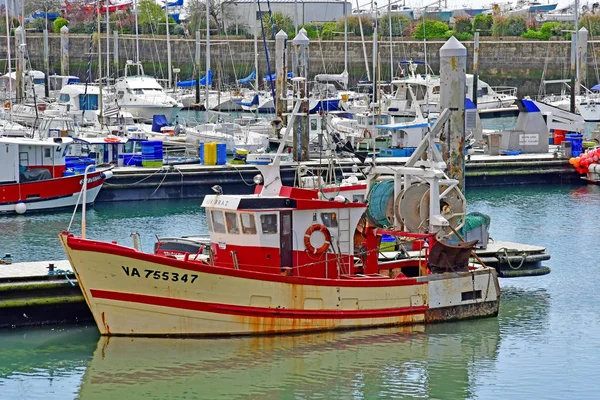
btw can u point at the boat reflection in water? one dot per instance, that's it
(437, 361)
(450, 360)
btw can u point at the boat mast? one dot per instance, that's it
(107, 45)
(99, 63)
(391, 43)
(8, 51)
(169, 66)
(137, 34)
(345, 44)
(207, 61)
(256, 83)
(362, 38)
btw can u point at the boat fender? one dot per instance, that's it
(309, 246)
(112, 140)
(107, 175)
(8, 105)
(367, 134)
(20, 208)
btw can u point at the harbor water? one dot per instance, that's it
(544, 344)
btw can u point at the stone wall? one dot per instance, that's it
(502, 63)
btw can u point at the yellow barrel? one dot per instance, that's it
(210, 153)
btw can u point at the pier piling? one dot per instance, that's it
(453, 66)
(64, 50)
(301, 43)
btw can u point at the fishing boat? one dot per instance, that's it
(286, 260)
(34, 176)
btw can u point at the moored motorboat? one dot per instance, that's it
(34, 176)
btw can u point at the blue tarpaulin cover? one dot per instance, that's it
(158, 121)
(249, 78)
(254, 102)
(273, 76)
(193, 82)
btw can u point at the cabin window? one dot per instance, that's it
(358, 198)
(47, 152)
(209, 223)
(313, 124)
(329, 219)
(218, 221)
(269, 224)
(138, 91)
(248, 224)
(64, 98)
(231, 221)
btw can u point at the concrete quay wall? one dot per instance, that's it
(517, 63)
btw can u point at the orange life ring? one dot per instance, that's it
(112, 140)
(8, 105)
(309, 247)
(367, 134)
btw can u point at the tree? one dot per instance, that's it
(280, 22)
(47, 6)
(354, 26)
(401, 25)
(514, 25)
(59, 23)
(221, 13)
(591, 23)
(463, 24)
(150, 15)
(483, 23)
(430, 29)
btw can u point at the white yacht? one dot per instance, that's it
(425, 90)
(586, 105)
(142, 95)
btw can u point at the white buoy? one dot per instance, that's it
(20, 208)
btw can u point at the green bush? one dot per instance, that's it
(591, 23)
(329, 30)
(514, 25)
(280, 22)
(178, 30)
(463, 24)
(354, 27)
(59, 23)
(430, 29)
(401, 25)
(483, 23)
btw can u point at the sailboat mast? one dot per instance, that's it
(8, 51)
(207, 60)
(362, 38)
(107, 44)
(345, 44)
(391, 43)
(137, 34)
(169, 66)
(99, 62)
(256, 51)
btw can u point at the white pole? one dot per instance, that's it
(345, 43)
(8, 50)
(107, 44)
(85, 179)
(207, 60)
(169, 66)
(391, 43)
(137, 34)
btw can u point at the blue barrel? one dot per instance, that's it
(201, 153)
(576, 140)
(221, 153)
(152, 150)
